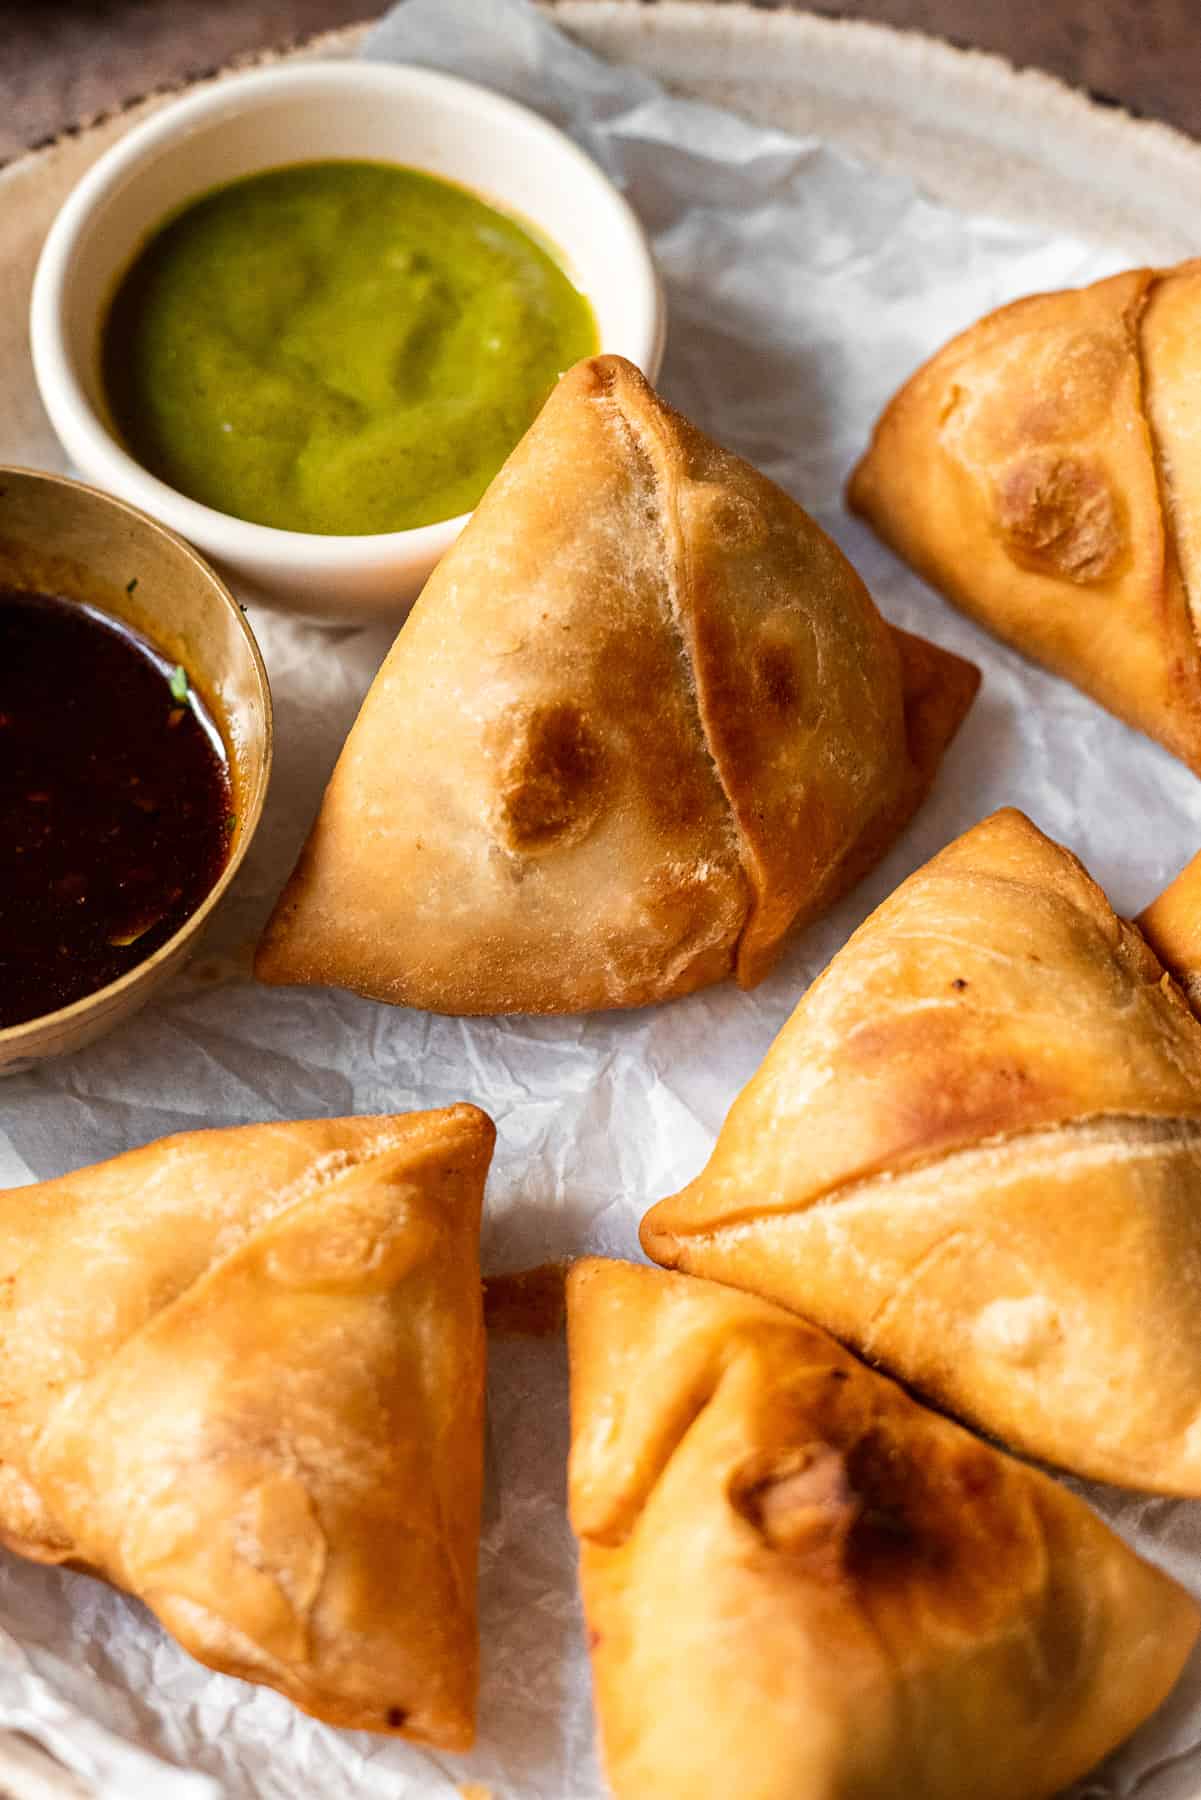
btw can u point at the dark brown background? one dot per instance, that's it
(63, 61)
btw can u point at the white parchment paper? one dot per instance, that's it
(802, 287)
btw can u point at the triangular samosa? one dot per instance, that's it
(801, 1585)
(643, 719)
(243, 1378)
(1043, 471)
(974, 1154)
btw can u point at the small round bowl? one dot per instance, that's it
(312, 112)
(59, 537)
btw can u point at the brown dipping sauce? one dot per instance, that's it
(115, 802)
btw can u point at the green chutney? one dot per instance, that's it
(337, 347)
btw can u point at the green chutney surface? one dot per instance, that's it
(337, 347)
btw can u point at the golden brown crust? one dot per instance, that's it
(995, 992)
(938, 689)
(257, 1402)
(599, 767)
(972, 1152)
(797, 1581)
(1041, 471)
(1170, 342)
(1172, 927)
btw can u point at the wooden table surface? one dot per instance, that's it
(64, 61)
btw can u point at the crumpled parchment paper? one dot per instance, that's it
(802, 287)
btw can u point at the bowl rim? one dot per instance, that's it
(12, 1036)
(55, 367)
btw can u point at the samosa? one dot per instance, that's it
(643, 721)
(801, 1585)
(974, 1154)
(243, 1378)
(1043, 470)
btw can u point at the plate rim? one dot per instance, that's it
(884, 43)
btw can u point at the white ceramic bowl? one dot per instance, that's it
(310, 112)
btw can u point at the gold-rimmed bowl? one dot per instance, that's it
(60, 537)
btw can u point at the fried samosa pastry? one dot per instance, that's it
(974, 1154)
(1172, 927)
(1043, 471)
(242, 1378)
(798, 1582)
(642, 721)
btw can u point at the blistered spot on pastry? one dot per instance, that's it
(1058, 515)
(1076, 378)
(688, 907)
(923, 1501)
(875, 1511)
(277, 1532)
(239, 1580)
(551, 777)
(351, 1250)
(951, 1100)
(29, 1528)
(1018, 1331)
(884, 1535)
(778, 676)
(728, 519)
(951, 401)
(1048, 390)
(799, 1501)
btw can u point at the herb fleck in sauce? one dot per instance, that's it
(115, 802)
